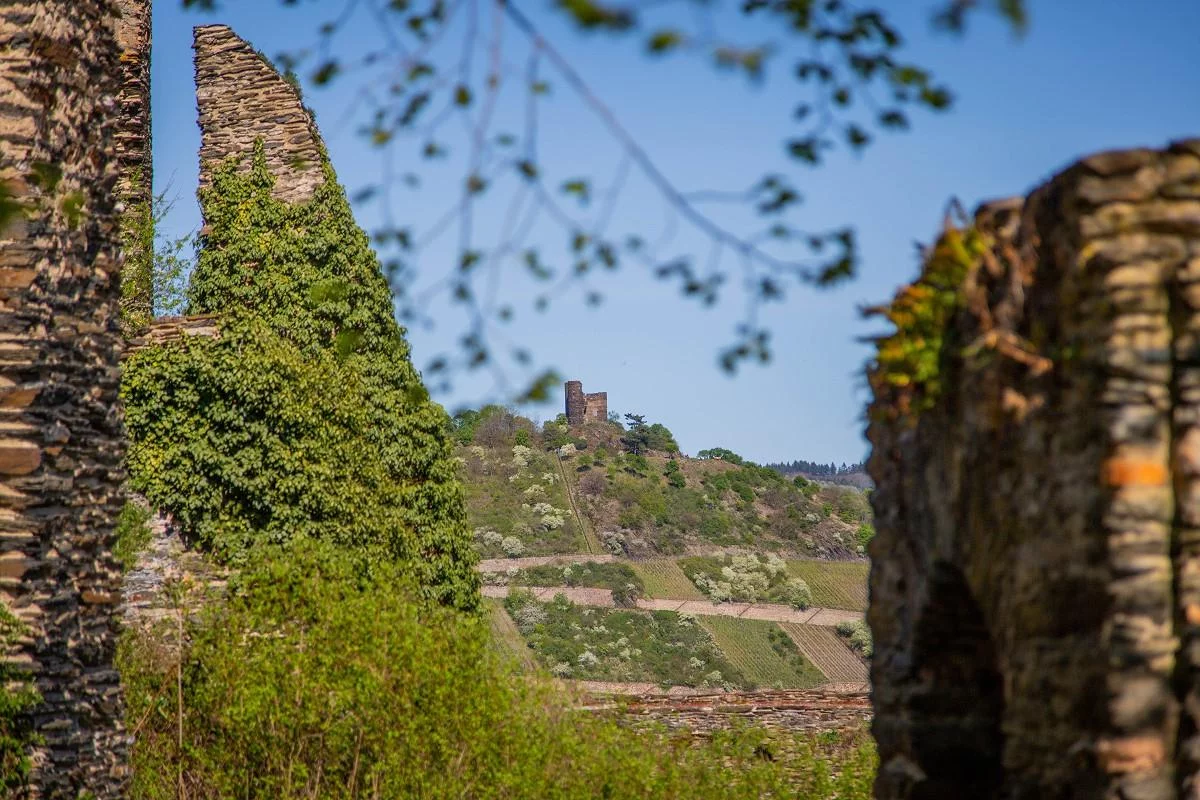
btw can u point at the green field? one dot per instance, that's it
(664, 579)
(834, 584)
(763, 652)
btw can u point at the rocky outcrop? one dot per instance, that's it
(242, 99)
(61, 439)
(1035, 583)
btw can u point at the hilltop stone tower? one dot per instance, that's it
(61, 446)
(1035, 580)
(584, 407)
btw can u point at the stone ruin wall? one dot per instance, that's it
(133, 142)
(582, 407)
(241, 99)
(61, 443)
(1035, 583)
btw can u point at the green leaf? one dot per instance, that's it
(326, 72)
(664, 40)
(44, 175)
(462, 95)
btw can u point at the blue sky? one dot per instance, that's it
(1089, 75)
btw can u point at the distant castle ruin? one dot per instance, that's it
(583, 407)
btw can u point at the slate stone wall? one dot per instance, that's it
(241, 99)
(1035, 582)
(60, 431)
(133, 143)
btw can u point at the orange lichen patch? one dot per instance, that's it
(1135, 754)
(1192, 613)
(1119, 471)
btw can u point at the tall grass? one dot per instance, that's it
(317, 678)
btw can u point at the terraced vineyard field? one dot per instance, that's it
(834, 584)
(763, 652)
(505, 636)
(826, 651)
(663, 578)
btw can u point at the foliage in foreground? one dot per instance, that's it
(319, 677)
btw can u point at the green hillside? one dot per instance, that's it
(552, 489)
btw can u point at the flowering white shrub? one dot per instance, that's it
(553, 521)
(686, 619)
(535, 490)
(695, 663)
(798, 594)
(561, 670)
(566, 451)
(521, 455)
(588, 659)
(491, 538)
(775, 565)
(512, 546)
(542, 508)
(478, 452)
(549, 478)
(529, 616)
(495, 578)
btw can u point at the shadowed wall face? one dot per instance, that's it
(1035, 583)
(61, 444)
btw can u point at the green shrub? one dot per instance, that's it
(306, 417)
(18, 697)
(133, 534)
(858, 635)
(319, 677)
(746, 579)
(625, 583)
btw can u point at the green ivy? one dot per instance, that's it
(306, 417)
(17, 698)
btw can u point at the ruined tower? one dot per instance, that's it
(584, 407)
(1035, 580)
(61, 445)
(134, 158)
(242, 99)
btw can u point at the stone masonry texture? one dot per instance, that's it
(135, 181)
(584, 407)
(60, 429)
(241, 99)
(1035, 581)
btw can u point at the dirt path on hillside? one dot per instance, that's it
(763, 611)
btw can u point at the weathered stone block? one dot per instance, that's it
(1035, 584)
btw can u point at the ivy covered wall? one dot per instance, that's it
(306, 417)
